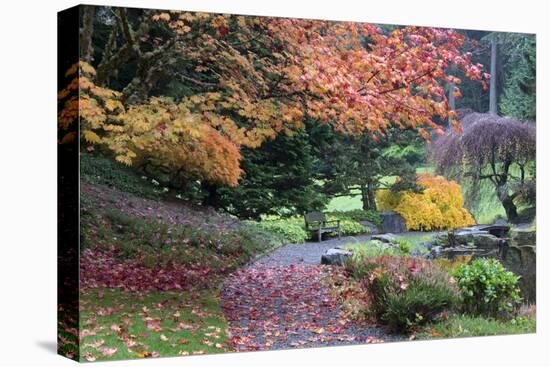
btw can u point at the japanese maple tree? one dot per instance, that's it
(249, 79)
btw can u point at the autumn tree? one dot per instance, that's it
(494, 149)
(244, 80)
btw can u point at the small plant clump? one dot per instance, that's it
(487, 288)
(405, 292)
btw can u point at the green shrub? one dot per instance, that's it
(357, 215)
(349, 227)
(404, 246)
(106, 171)
(288, 229)
(487, 287)
(406, 292)
(292, 229)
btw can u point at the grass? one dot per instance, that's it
(345, 203)
(408, 243)
(153, 324)
(156, 243)
(457, 326)
(416, 238)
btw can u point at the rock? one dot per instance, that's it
(486, 241)
(523, 236)
(517, 251)
(416, 252)
(373, 228)
(335, 256)
(392, 222)
(521, 258)
(386, 238)
(428, 245)
(464, 236)
(499, 230)
(501, 222)
(434, 252)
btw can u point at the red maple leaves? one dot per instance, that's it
(101, 269)
(287, 306)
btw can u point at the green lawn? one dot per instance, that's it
(345, 203)
(457, 326)
(116, 324)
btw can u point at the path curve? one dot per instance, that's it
(281, 301)
(308, 253)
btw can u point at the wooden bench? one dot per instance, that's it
(317, 222)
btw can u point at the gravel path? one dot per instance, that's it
(281, 301)
(308, 253)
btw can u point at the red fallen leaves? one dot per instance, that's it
(285, 306)
(100, 269)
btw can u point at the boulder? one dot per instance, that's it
(501, 222)
(487, 241)
(386, 238)
(498, 230)
(434, 252)
(464, 236)
(373, 228)
(521, 259)
(335, 256)
(392, 222)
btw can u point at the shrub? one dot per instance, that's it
(349, 227)
(357, 215)
(487, 288)
(452, 264)
(373, 248)
(406, 292)
(288, 229)
(438, 206)
(102, 170)
(292, 229)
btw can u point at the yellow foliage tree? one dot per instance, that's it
(183, 138)
(438, 206)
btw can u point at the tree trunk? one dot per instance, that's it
(86, 32)
(212, 197)
(451, 97)
(510, 208)
(493, 82)
(452, 103)
(368, 196)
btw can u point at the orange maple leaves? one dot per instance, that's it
(256, 77)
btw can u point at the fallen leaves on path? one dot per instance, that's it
(277, 307)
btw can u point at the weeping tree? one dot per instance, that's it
(491, 148)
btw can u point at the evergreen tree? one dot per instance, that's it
(280, 178)
(519, 95)
(363, 164)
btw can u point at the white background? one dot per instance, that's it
(28, 182)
